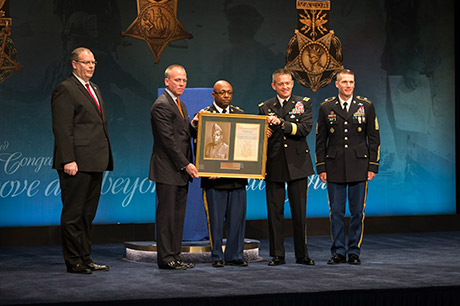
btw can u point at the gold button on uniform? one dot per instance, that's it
(346, 146)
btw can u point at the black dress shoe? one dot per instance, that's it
(353, 259)
(337, 259)
(95, 267)
(305, 261)
(186, 265)
(172, 265)
(79, 269)
(217, 263)
(237, 262)
(276, 261)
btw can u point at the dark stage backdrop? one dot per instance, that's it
(401, 51)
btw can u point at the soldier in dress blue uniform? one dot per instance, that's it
(347, 157)
(288, 161)
(225, 198)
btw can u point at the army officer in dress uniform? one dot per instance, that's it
(224, 198)
(288, 161)
(347, 157)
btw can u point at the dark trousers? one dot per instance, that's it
(80, 197)
(337, 193)
(170, 214)
(297, 194)
(228, 205)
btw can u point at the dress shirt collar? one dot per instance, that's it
(81, 80)
(282, 100)
(172, 95)
(348, 102)
(220, 109)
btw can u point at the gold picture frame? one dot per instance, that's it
(231, 145)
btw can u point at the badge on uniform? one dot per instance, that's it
(360, 114)
(332, 130)
(332, 117)
(298, 109)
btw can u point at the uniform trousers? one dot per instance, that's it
(169, 221)
(80, 197)
(337, 193)
(228, 205)
(276, 195)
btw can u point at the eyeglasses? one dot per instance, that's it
(87, 62)
(223, 92)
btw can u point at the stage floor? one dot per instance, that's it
(424, 262)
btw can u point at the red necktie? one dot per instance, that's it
(95, 101)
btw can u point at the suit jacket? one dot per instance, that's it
(347, 143)
(224, 183)
(80, 131)
(172, 150)
(291, 140)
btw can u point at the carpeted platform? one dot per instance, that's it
(409, 269)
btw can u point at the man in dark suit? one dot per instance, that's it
(171, 167)
(225, 198)
(288, 161)
(81, 154)
(347, 157)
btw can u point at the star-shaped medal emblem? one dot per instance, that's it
(157, 24)
(314, 59)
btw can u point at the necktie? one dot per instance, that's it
(345, 106)
(180, 108)
(224, 111)
(285, 108)
(95, 101)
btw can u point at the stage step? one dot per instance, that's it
(192, 251)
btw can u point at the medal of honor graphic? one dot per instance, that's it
(8, 53)
(314, 53)
(157, 24)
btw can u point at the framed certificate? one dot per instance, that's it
(231, 145)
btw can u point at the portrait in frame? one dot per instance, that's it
(231, 145)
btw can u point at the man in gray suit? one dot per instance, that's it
(171, 167)
(81, 154)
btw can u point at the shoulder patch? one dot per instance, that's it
(306, 99)
(363, 99)
(261, 104)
